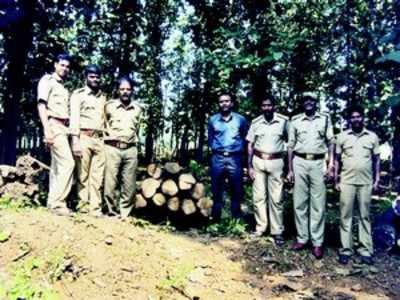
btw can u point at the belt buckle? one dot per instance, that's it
(123, 145)
(225, 153)
(309, 156)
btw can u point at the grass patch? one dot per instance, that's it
(178, 278)
(9, 203)
(227, 226)
(23, 284)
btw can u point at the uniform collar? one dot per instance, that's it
(315, 116)
(89, 91)
(56, 77)
(274, 119)
(364, 131)
(131, 105)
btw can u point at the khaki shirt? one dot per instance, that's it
(87, 110)
(56, 96)
(310, 135)
(356, 154)
(122, 122)
(268, 137)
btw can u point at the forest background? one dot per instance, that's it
(183, 54)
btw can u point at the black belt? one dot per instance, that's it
(227, 153)
(119, 145)
(62, 121)
(92, 132)
(309, 156)
(268, 156)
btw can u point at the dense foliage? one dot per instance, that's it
(182, 54)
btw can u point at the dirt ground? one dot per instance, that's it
(79, 257)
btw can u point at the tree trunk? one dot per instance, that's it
(18, 40)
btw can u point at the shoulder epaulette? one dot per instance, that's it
(282, 116)
(77, 91)
(324, 114)
(295, 117)
(257, 119)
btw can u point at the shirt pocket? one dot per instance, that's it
(366, 151)
(89, 108)
(301, 135)
(348, 150)
(321, 130)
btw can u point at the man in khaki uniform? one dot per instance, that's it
(53, 108)
(122, 120)
(358, 152)
(87, 128)
(266, 145)
(310, 137)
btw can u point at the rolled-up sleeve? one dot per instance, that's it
(375, 149)
(330, 137)
(75, 108)
(291, 135)
(250, 134)
(43, 90)
(339, 144)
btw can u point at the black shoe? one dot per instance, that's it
(343, 259)
(367, 260)
(279, 241)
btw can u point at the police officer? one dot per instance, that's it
(266, 145)
(87, 127)
(122, 121)
(358, 153)
(53, 108)
(226, 138)
(310, 137)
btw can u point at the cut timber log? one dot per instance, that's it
(153, 170)
(31, 162)
(149, 187)
(188, 207)
(205, 205)
(198, 191)
(186, 181)
(169, 188)
(159, 199)
(8, 172)
(140, 201)
(204, 202)
(172, 167)
(173, 204)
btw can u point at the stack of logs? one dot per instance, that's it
(25, 181)
(170, 186)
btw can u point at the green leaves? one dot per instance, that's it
(392, 56)
(4, 236)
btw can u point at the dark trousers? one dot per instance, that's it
(230, 168)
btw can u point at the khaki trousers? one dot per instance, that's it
(349, 193)
(90, 171)
(61, 168)
(309, 199)
(120, 164)
(267, 189)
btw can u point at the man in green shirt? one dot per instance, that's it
(359, 165)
